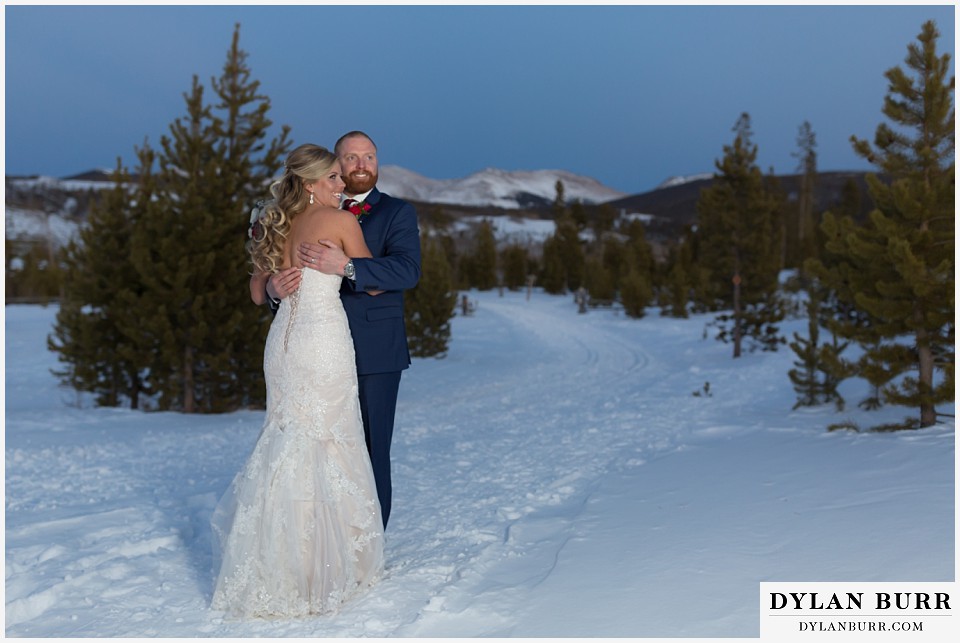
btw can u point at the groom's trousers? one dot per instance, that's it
(378, 406)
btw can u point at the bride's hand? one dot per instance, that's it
(284, 283)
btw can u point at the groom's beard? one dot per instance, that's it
(355, 185)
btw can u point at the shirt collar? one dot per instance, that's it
(360, 197)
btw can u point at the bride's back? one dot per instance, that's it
(312, 226)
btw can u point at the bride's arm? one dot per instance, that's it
(258, 288)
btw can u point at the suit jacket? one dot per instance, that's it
(376, 322)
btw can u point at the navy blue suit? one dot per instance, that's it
(379, 334)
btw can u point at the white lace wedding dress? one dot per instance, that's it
(299, 530)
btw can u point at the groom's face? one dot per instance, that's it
(358, 158)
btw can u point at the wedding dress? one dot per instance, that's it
(299, 529)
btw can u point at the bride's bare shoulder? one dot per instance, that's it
(319, 218)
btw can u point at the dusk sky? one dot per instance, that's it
(629, 95)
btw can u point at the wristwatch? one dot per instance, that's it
(350, 271)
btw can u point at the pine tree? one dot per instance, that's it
(637, 252)
(635, 281)
(614, 259)
(850, 201)
(429, 307)
(599, 280)
(559, 202)
(484, 259)
(603, 221)
(678, 281)
(806, 201)
(571, 252)
(820, 368)
(87, 334)
(740, 243)
(901, 262)
(515, 260)
(553, 275)
(579, 215)
(833, 280)
(636, 293)
(208, 336)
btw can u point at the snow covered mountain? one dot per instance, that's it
(680, 180)
(493, 187)
(40, 207)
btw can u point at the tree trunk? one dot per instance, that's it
(135, 393)
(737, 317)
(928, 413)
(188, 401)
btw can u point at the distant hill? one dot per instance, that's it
(497, 188)
(41, 207)
(676, 202)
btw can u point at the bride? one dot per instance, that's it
(299, 529)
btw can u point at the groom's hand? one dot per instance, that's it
(325, 256)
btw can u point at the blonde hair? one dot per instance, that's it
(306, 163)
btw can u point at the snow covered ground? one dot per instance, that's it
(555, 475)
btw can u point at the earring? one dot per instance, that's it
(311, 198)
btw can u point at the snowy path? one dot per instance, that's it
(554, 474)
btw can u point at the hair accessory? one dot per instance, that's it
(256, 231)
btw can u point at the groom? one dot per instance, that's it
(379, 335)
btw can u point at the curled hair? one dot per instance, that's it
(271, 224)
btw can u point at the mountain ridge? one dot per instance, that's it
(42, 207)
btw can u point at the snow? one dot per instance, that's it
(33, 224)
(67, 184)
(508, 230)
(680, 180)
(493, 187)
(555, 475)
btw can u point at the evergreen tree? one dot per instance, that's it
(435, 219)
(636, 270)
(559, 202)
(614, 260)
(636, 293)
(603, 221)
(553, 276)
(87, 334)
(834, 283)
(820, 368)
(429, 306)
(579, 215)
(850, 201)
(901, 262)
(32, 273)
(571, 252)
(449, 246)
(637, 253)
(207, 335)
(563, 258)
(599, 280)
(484, 260)
(806, 200)
(515, 260)
(740, 244)
(679, 281)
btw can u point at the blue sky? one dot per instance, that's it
(628, 94)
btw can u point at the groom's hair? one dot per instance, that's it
(354, 133)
